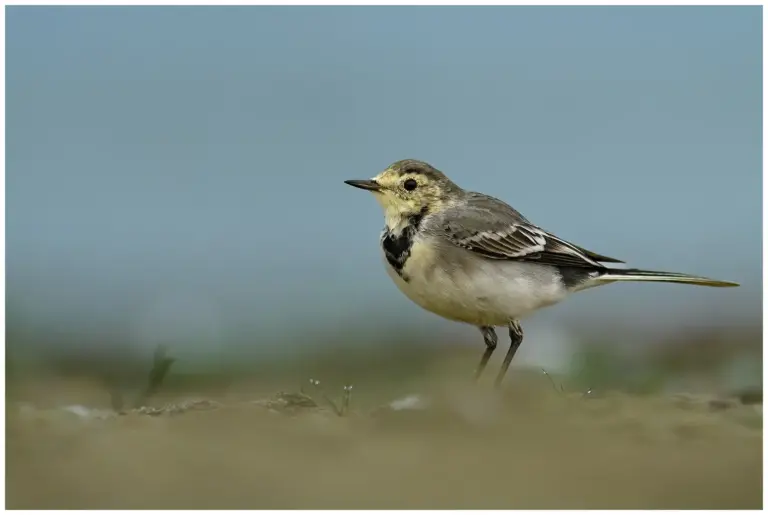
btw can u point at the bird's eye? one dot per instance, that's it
(410, 184)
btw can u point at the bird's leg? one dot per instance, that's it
(516, 337)
(489, 335)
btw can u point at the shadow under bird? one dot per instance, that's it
(472, 258)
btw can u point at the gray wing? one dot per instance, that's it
(493, 229)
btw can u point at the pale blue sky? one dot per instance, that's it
(193, 158)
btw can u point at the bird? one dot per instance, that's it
(472, 258)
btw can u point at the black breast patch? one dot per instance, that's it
(397, 247)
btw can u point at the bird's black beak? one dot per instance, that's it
(366, 184)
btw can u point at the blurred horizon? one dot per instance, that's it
(174, 174)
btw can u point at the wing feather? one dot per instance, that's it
(491, 228)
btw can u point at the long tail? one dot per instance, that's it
(633, 274)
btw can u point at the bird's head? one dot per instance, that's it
(409, 187)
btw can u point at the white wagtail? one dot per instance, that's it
(472, 258)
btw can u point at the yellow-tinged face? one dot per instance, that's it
(407, 188)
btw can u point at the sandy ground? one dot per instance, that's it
(464, 447)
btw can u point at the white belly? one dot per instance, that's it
(478, 291)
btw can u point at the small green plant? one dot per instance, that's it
(161, 365)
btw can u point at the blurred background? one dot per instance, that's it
(174, 176)
(174, 183)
